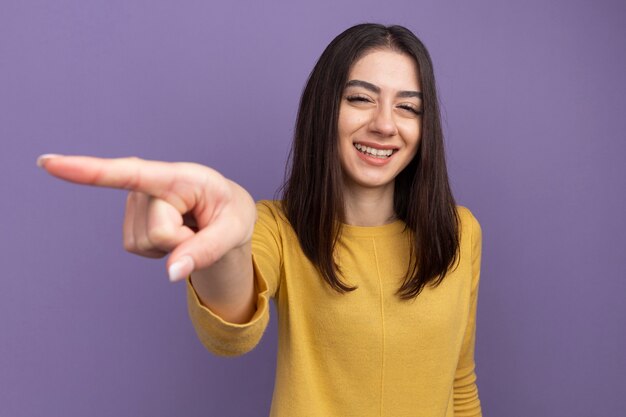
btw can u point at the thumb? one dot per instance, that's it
(203, 249)
(181, 268)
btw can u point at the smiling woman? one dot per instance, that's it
(373, 268)
(379, 124)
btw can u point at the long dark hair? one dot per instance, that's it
(312, 193)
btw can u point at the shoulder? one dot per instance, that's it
(466, 217)
(271, 217)
(468, 223)
(269, 205)
(270, 209)
(471, 234)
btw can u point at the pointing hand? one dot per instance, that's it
(185, 209)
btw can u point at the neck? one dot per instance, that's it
(368, 206)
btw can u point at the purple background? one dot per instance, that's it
(533, 100)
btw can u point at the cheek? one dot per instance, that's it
(350, 121)
(411, 134)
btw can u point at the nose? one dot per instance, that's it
(382, 122)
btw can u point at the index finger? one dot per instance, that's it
(151, 177)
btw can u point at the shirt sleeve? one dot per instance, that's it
(231, 339)
(466, 402)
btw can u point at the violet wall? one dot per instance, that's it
(534, 101)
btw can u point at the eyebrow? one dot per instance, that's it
(375, 89)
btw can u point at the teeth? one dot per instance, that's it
(379, 153)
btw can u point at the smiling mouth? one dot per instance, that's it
(376, 153)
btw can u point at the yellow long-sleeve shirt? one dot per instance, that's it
(363, 353)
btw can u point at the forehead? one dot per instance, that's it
(387, 69)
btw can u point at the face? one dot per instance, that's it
(379, 119)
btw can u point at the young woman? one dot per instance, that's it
(373, 268)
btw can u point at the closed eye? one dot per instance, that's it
(412, 109)
(357, 98)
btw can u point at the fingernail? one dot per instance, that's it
(181, 268)
(41, 161)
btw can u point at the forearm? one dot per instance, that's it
(227, 286)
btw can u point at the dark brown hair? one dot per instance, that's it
(312, 193)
